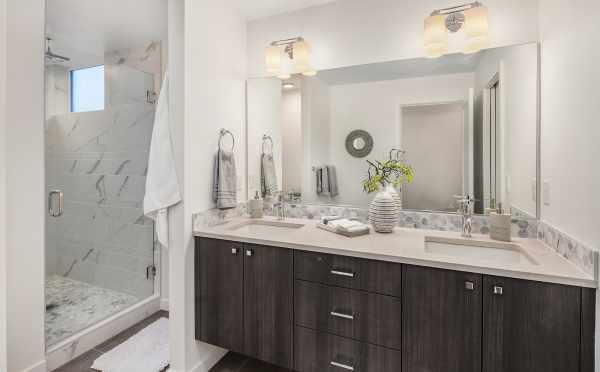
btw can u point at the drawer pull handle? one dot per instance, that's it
(342, 315)
(342, 273)
(498, 290)
(234, 251)
(342, 366)
(470, 286)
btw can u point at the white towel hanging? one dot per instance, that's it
(162, 186)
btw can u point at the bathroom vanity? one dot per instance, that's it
(308, 300)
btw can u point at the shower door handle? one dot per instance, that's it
(56, 203)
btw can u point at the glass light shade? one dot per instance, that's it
(436, 36)
(273, 60)
(476, 29)
(286, 68)
(302, 56)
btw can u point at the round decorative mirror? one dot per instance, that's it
(359, 143)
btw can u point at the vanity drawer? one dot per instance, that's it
(349, 272)
(319, 352)
(350, 313)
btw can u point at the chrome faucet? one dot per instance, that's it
(465, 209)
(279, 206)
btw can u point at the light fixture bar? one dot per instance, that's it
(288, 45)
(456, 9)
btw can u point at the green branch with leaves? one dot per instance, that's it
(390, 172)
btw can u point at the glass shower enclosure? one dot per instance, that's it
(100, 247)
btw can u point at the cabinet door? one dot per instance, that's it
(441, 320)
(530, 326)
(268, 304)
(219, 293)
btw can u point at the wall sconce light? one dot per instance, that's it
(287, 57)
(474, 18)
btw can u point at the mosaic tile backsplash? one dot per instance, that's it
(582, 256)
(523, 228)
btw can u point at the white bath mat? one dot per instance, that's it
(146, 351)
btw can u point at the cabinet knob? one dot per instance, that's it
(249, 252)
(470, 286)
(234, 251)
(498, 290)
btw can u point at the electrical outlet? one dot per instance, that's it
(546, 193)
(534, 190)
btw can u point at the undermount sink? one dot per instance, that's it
(264, 226)
(479, 250)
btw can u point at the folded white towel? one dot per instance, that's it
(349, 225)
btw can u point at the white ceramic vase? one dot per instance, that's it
(383, 212)
(392, 190)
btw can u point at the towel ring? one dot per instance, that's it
(222, 134)
(266, 138)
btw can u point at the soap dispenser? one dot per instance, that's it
(500, 225)
(255, 207)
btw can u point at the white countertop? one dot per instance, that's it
(408, 246)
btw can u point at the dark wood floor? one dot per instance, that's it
(233, 362)
(85, 361)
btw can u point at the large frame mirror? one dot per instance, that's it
(466, 124)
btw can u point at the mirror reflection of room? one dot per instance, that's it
(466, 124)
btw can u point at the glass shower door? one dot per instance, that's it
(100, 247)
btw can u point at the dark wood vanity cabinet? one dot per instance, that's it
(244, 299)
(219, 293)
(319, 312)
(441, 320)
(532, 327)
(268, 304)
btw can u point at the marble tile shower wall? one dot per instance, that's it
(99, 159)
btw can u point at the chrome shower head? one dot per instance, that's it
(51, 57)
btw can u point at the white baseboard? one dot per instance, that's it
(164, 304)
(209, 361)
(38, 367)
(74, 346)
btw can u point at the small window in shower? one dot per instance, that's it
(87, 89)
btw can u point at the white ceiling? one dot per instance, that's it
(95, 27)
(253, 9)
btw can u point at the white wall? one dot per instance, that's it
(570, 116)
(353, 32)
(25, 229)
(433, 137)
(292, 143)
(264, 110)
(214, 96)
(375, 107)
(3, 276)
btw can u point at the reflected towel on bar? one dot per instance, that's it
(225, 180)
(325, 180)
(332, 181)
(318, 177)
(268, 177)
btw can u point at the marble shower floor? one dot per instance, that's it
(73, 306)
